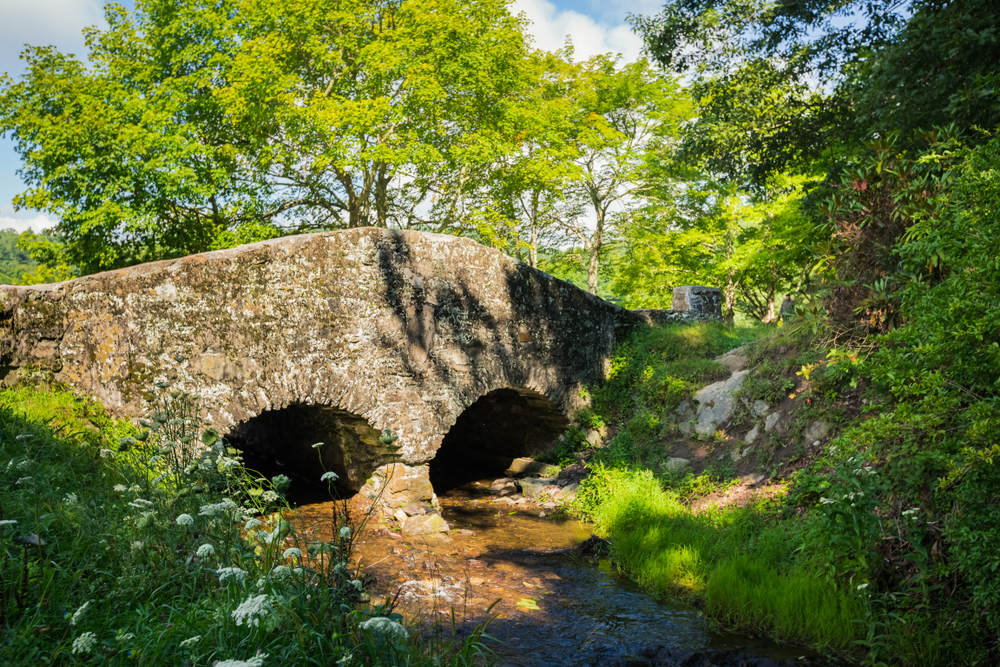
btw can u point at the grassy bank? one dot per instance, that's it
(751, 568)
(119, 547)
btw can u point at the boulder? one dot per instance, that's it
(734, 360)
(752, 434)
(425, 524)
(816, 431)
(771, 421)
(716, 403)
(531, 486)
(676, 464)
(760, 408)
(524, 466)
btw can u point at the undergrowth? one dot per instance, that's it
(154, 545)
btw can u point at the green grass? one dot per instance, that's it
(115, 543)
(742, 564)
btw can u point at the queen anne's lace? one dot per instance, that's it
(252, 610)
(84, 643)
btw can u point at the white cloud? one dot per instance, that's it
(36, 223)
(550, 26)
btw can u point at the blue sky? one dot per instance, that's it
(594, 26)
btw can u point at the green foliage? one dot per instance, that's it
(117, 546)
(743, 564)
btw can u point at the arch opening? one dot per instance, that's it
(501, 426)
(281, 442)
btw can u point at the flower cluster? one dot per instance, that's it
(251, 610)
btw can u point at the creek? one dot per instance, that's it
(553, 605)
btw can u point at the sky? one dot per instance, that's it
(592, 25)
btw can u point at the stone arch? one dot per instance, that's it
(501, 425)
(285, 437)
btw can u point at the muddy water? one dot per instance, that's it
(552, 607)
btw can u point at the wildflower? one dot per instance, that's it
(25, 464)
(71, 499)
(292, 552)
(255, 661)
(218, 509)
(79, 613)
(863, 586)
(185, 520)
(251, 524)
(107, 454)
(911, 511)
(138, 545)
(84, 643)
(827, 501)
(270, 497)
(386, 629)
(122, 637)
(205, 550)
(235, 574)
(23, 437)
(356, 583)
(281, 572)
(329, 476)
(120, 488)
(251, 610)
(345, 533)
(264, 536)
(8, 522)
(317, 445)
(188, 643)
(135, 488)
(158, 479)
(24, 480)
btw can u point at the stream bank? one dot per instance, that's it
(551, 604)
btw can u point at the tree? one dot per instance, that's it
(621, 117)
(783, 84)
(203, 123)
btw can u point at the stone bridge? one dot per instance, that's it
(333, 337)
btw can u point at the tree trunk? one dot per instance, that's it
(595, 252)
(769, 308)
(533, 247)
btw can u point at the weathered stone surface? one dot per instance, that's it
(691, 303)
(532, 486)
(760, 408)
(388, 329)
(734, 360)
(752, 433)
(771, 421)
(716, 403)
(676, 464)
(523, 466)
(815, 432)
(425, 524)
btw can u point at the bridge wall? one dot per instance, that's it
(404, 329)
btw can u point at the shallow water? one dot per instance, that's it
(553, 607)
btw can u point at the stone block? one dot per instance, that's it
(716, 403)
(425, 524)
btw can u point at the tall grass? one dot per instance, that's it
(126, 545)
(743, 564)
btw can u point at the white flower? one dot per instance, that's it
(863, 586)
(292, 552)
(255, 661)
(205, 550)
(345, 533)
(25, 464)
(23, 437)
(827, 501)
(8, 522)
(185, 520)
(24, 480)
(123, 637)
(79, 612)
(218, 509)
(107, 454)
(188, 643)
(356, 583)
(251, 610)
(120, 488)
(137, 545)
(281, 572)
(135, 488)
(71, 499)
(235, 574)
(84, 643)
(270, 497)
(317, 445)
(386, 629)
(251, 524)
(329, 476)
(141, 503)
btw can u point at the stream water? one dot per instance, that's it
(553, 607)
